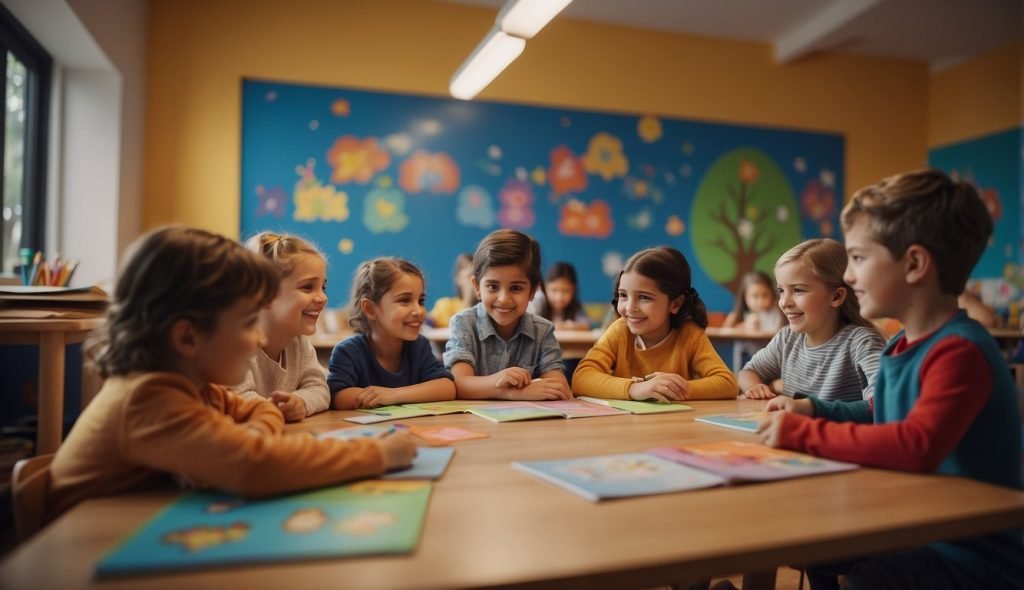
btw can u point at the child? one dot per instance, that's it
(497, 350)
(184, 316)
(387, 362)
(657, 349)
(757, 307)
(558, 300)
(828, 350)
(446, 307)
(944, 401)
(285, 369)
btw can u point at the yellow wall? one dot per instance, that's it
(978, 97)
(199, 51)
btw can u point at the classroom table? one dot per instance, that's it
(491, 525)
(51, 335)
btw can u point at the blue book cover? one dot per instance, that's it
(619, 476)
(429, 463)
(745, 421)
(205, 530)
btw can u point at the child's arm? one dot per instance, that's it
(312, 384)
(514, 383)
(866, 354)
(435, 390)
(757, 376)
(168, 431)
(256, 413)
(593, 374)
(753, 387)
(953, 392)
(732, 320)
(715, 380)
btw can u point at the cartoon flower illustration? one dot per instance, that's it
(341, 108)
(366, 523)
(588, 221)
(640, 220)
(305, 520)
(475, 207)
(357, 159)
(203, 537)
(611, 263)
(384, 211)
(423, 171)
(636, 188)
(346, 245)
(566, 172)
(271, 202)
(399, 143)
(604, 157)
(516, 205)
(675, 226)
(539, 176)
(748, 172)
(817, 201)
(315, 201)
(649, 129)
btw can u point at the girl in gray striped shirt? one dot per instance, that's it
(828, 350)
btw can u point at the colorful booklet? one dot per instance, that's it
(206, 530)
(619, 476)
(579, 409)
(635, 407)
(744, 461)
(456, 406)
(385, 413)
(745, 421)
(429, 463)
(514, 412)
(443, 435)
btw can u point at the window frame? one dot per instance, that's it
(15, 38)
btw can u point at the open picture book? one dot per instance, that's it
(495, 411)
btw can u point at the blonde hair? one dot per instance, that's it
(372, 280)
(282, 249)
(827, 260)
(926, 207)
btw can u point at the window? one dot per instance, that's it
(25, 68)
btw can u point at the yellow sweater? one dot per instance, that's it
(141, 428)
(444, 309)
(607, 369)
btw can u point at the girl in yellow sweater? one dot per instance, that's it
(658, 349)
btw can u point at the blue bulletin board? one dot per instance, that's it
(366, 174)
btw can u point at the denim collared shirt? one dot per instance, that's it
(472, 340)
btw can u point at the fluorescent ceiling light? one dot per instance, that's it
(490, 57)
(524, 18)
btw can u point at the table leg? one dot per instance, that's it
(764, 580)
(51, 392)
(737, 357)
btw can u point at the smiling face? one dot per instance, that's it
(295, 310)
(645, 307)
(504, 291)
(759, 297)
(400, 312)
(876, 277)
(811, 306)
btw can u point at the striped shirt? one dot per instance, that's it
(842, 369)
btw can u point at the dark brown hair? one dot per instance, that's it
(669, 269)
(754, 277)
(562, 270)
(508, 247)
(372, 280)
(172, 273)
(926, 207)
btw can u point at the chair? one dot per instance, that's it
(29, 484)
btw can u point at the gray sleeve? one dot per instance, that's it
(550, 352)
(312, 387)
(462, 341)
(767, 362)
(866, 351)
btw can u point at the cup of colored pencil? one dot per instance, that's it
(39, 271)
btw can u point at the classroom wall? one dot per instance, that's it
(199, 51)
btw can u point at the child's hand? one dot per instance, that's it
(517, 377)
(399, 450)
(292, 406)
(770, 429)
(375, 396)
(752, 323)
(804, 407)
(543, 390)
(662, 387)
(759, 391)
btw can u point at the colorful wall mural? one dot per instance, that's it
(366, 174)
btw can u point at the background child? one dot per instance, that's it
(496, 350)
(183, 316)
(285, 369)
(387, 362)
(828, 350)
(757, 307)
(446, 307)
(558, 299)
(657, 349)
(944, 401)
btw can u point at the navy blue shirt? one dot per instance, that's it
(354, 365)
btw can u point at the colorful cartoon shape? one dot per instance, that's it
(199, 538)
(399, 143)
(611, 263)
(566, 173)
(384, 211)
(366, 523)
(604, 157)
(586, 221)
(305, 520)
(675, 226)
(516, 199)
(346, 245)
(436, 173)
(357, 160)
(315, 201)
(640, 220)
(817, 201)
(341, 108)
(271, 202)
(475, 207)
(649, 129)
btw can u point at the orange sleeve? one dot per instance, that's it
(593, 375)
(255, 412)
(172, 432)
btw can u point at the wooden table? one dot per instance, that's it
(51, 335)
(491, 525)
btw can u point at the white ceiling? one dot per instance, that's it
(939, 32)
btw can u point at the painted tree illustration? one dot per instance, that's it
(744, 216)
